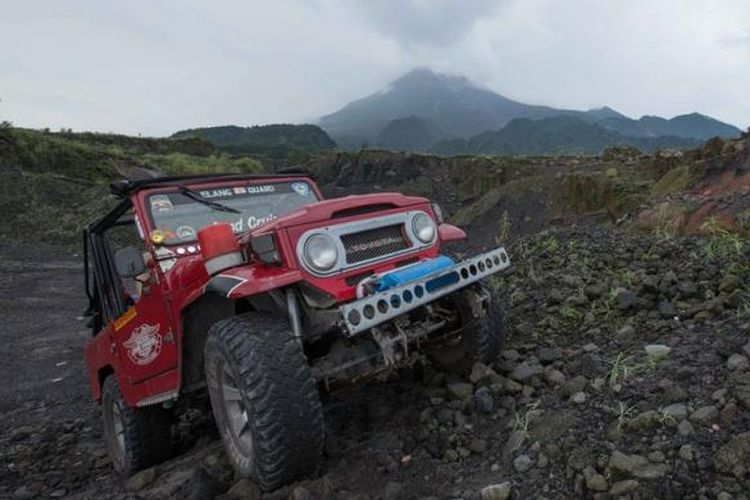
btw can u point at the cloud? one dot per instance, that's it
(156, 67)
(429, 22)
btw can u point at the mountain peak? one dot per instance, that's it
(428, 77)
(604, 112)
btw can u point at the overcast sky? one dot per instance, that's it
(154, 67)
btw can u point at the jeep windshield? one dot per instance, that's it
(179, 215)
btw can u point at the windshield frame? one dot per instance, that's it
(143, 197)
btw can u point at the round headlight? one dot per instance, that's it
(423, 227)
(320, 252)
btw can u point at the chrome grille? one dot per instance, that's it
(374, 243)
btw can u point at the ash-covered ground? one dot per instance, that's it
(625, 375)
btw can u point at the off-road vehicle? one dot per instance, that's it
(260, 292)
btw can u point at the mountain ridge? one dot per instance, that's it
(456, 108)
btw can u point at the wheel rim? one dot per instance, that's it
(118, 427)
(114, 428)
(235, 410)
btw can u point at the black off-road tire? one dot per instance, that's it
(256, 359)
(142, 439)
(483, 332)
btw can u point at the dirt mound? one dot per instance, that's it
(707, 192)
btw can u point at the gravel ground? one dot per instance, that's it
(626, 376)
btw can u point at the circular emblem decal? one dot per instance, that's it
(301, 188)
(144, 344)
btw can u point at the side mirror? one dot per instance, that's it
(129, 262)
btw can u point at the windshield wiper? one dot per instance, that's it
(211, 204)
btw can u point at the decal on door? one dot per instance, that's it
(144, 344)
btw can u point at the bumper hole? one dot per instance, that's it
(354, 317)
(395, 301)
(464, 273)
(369, 311)
(407, 296)
(418, 291)
(473, 270)
(382, 306)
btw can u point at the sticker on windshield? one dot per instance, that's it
(269, 188)
(161, 203)
(216, 193)
(186, 233)
(253, 222)
(301, 188)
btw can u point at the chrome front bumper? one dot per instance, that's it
(367, 312)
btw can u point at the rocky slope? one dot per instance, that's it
(626, 374)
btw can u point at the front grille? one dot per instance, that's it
(374, 243)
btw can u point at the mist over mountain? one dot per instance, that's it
(423, 106)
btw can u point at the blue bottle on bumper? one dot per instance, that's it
(413, 272)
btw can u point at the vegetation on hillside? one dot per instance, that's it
(407, 134)
(53, 183)
(555, 135)
(273, 141)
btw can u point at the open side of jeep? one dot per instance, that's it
(312, 295)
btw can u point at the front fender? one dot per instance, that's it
(246, 281)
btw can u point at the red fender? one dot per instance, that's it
(449, 232)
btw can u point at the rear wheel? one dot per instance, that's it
(481, 318)
(264, 399)
(137, 438)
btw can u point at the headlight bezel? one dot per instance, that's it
(310, 259)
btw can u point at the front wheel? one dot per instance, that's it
(481, 319)
(264, 399)
(137, 438)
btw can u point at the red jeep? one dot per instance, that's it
(258, 290)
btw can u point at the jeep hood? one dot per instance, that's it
(339, 208)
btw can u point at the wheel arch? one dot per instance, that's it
(101, 375)
(195, 320)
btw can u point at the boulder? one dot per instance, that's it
(460, 390)
(705, 415)
(141, 479)
(626, 300)
(524, 371)
(621, 488)
(734, 457)
(499, 491)
(737, 362)
(244, 489)
(677, 411)
(523, 463)
(597, 482)
(635, 466)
